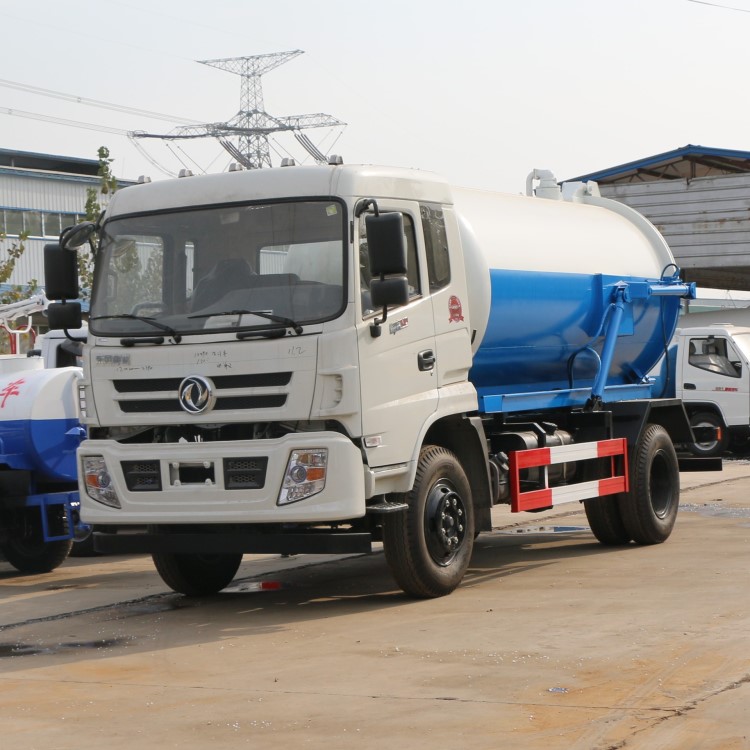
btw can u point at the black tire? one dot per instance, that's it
(84, 547)
(428, 547)
(605, 520)
(196, 575)
(26, 549)
(712, 447)
(603, 513)
(649, 509)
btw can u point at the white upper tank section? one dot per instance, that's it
(579, 234)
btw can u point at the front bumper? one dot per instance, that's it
(187, 497)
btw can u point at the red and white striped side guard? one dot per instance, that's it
(547, 496)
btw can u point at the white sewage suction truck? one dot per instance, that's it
(313, 358)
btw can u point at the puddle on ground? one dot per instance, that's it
(716, 510)
(25, 649)
(544, 530)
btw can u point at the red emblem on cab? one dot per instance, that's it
(455, 309)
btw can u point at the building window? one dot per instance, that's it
(32, 223)
(13, 222)
(51, 225)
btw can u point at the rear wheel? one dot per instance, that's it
(26, 550)
(428, 547)
(649, 509)
(196, 575)
(603, 513)
(606, 524)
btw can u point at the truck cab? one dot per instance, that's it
(713, 380)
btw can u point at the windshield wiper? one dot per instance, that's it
(155, 323)
(286, 322)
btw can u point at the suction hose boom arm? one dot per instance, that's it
(624, 293)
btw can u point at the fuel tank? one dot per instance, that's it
(39, 428)
(541, 275)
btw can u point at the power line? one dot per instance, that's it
(61, 121)
(719, 5)
(95, 102)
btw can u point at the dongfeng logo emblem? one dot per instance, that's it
(196, 394)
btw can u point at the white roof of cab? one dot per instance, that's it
(281, 182)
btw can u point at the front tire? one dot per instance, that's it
(649, 509)
(712, 447)
(428, 547)
(196, 575)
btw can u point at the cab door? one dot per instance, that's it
(716, 373)
(397, 367)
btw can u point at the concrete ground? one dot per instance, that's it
(552, 641)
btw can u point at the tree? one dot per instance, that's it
(11, 254)
(93, 211)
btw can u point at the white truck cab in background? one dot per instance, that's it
(712, 377)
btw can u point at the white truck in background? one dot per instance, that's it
(708, 367)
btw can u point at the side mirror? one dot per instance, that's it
(389, 291)
(60, 273)
(71, 238)
(386, 247)
(62, 316)
(385, 243)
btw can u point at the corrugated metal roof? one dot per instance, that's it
(48, 162)
(684, 163)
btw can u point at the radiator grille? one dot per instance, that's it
(142, 476)
(162, 393)
(245, 473)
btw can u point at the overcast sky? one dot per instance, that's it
(479, 91)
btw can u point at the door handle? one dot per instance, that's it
(689, 386)
(426, 360)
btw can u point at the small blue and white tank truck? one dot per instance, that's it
(39, 435)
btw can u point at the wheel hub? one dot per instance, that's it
(446, 523)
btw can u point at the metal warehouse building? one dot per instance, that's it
(699, 199)
(40, 194)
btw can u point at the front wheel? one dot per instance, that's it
(649, 509)
(196, 575)
(428, 546)
(712, 447)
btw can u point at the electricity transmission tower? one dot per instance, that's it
(252, 125)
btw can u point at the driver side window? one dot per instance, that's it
(713, 355)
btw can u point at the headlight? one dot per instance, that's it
(98, 481)
(305, 475)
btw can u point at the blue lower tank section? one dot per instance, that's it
(45, 446)
(546, 331)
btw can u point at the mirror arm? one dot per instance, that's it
(375, 329)
(363, 205)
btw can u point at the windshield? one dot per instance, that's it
(743, 343)
(272, 265)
